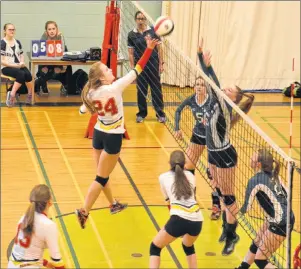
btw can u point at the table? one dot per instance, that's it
(33, 62)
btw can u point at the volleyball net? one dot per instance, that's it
(178, 81)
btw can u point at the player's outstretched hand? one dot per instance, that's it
(178, 135)
(151, 42)
(207, 58)
(200, 48)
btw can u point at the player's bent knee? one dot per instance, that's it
(188, 250)
(253, 248)
(229, 200)
(261, 264)
(101, 180)
(154, 250)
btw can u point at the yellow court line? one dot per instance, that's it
(38, 171)
(102, 246)
(197, 197)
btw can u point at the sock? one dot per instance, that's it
(231, 230)
(244, 265)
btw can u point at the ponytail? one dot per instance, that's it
(28, 220)
(86, 100)
(181, 186)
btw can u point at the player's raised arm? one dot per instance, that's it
(123, 82)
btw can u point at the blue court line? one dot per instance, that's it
(47, 181)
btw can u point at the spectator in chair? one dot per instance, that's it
(55, 72)
(13, 65)
(151, 74)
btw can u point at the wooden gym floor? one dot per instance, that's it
(46, 144)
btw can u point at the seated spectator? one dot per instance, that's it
(54, 72)
(13, 65)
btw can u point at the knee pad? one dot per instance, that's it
(229, 199)
(209, 174)
(219, 192)
(261, 264)
(253, 248)
(102, 181)
(154, 250)
(188, 250)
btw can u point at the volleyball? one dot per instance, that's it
(163, 26)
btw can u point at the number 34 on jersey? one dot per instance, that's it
(47, 48)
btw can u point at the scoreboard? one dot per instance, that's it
(47, 49)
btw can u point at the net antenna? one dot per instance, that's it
(109, 55)
(178, 79)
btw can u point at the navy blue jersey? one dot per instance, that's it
(136, 40)
(217, 115)
(271, 197)
(198, 111)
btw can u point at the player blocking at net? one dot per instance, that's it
(222, 156)
(272, 197)
(103, 96)
(36, 232)
(198, 103)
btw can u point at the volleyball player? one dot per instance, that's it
(272, 198)
(35, 233)
(178, 188)
(197, 103)
(103, 96)
(222, 156)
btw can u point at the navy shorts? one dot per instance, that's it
(177, 226)
(281, 229)
(223, 159)
(198, 140)
(111, 143)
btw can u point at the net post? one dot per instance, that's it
(290, 171)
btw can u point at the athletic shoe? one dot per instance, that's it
(117, 207)
(29, 99)
(161, 119)
(216, 212)
(9, 99)
(230, 245)
(81, 217)
(139, 119)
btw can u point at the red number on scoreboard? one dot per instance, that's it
(50, 48)
(58, 48)
(25, 242)
(109, 107)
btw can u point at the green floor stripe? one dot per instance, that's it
(72, 251)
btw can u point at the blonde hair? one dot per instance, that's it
(94, 82)
(39, 197)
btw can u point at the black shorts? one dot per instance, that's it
(223, 159)
(281, 229)
(177, 226)
(198, 140)
(111, 143)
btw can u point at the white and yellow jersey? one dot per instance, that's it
(109, 104)
(185, 208)
(28, 250)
